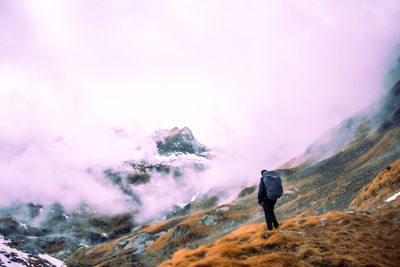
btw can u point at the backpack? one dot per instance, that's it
(273, 185)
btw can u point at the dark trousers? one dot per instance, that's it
(268, 205)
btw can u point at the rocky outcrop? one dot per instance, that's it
(55, 232)
(148, 244)
(176, 141)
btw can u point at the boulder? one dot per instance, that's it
(222, 209)
(287, 232)
(181, 230)
(209, 220)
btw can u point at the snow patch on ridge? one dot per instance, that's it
(390, 199)
(12, 257)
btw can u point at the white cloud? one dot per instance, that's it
(261, 78)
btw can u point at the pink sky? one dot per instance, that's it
(261, 77)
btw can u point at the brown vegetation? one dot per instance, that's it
(381, 188)
(162, 226)
(334, 239)
(194, 228)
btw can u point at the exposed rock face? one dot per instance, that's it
(9, 256)
(288, 232)
(181, 230)
(209, 220)
(139, 242)
(324, 221)
(178, 141)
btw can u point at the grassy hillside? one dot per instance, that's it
(334, 239)
(367, 237)
(376, 195)
(333, 183)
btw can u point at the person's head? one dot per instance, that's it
(262, 172)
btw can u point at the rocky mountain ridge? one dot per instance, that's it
(179, 141)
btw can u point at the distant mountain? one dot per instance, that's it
(179, 152)
(179, 141)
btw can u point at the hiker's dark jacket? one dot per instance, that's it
(262, 193)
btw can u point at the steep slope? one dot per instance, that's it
(334, 239)
(384, 114)
(333, 183)
(378, 194)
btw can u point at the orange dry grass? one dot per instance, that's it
(234, 250)
(345, 240)
(122, 260)
(161, 226)
(386, 183)
(94, 257)
(193, 229)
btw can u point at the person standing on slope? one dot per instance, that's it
(269, 190)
